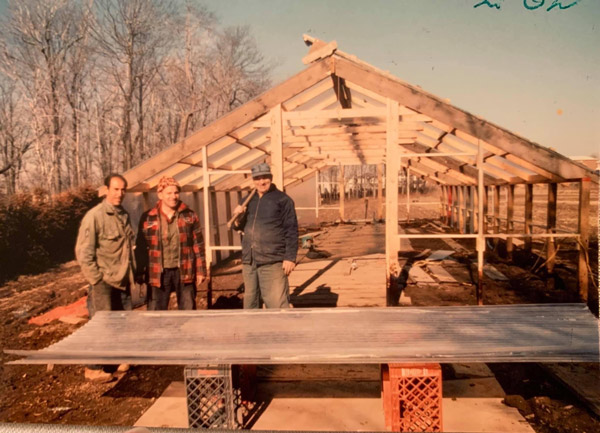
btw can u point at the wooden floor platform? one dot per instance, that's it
(500, 333)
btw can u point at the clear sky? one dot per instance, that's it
(535, 71)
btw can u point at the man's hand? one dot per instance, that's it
(239, 209)
(288, 266)
(200, 279)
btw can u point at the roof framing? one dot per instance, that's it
(334, 112)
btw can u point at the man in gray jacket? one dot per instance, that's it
(104, 251)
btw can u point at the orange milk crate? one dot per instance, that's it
(412, 397)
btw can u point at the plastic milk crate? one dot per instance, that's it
(412, 397)
(211, 397)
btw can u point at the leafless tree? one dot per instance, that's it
(132, 41)
(15, 138)
(237, 70)
(39, 36)
(93, 86)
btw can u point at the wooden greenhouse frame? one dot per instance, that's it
(342, 111)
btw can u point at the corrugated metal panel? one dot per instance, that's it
(536, 333)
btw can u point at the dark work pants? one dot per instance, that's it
(104, 297)
(171, 282)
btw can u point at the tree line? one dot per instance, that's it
(88, 87)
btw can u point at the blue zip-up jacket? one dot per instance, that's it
(270, 229)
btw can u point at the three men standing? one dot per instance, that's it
(269, 243)
(170, 249)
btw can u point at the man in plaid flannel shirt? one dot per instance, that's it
(170, 249)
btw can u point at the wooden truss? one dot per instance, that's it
(341, 111)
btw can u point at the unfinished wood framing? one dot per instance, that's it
(528, 228)
(496, 190)
(551, 227)
(510, 212)
(379, 192)
(584, 238)
(342, 189)
(215, 223)
(392, 242)
(313, 121)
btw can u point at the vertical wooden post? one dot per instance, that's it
(342, 188)
(441, 202)
(486, 209)
(510, 213)
(496, 212)
(379, 192)
(408, 194)
(444, 198)
(277, 146)
(472, 209)
(207, 245)
(317, 195)
(228, 215)
(584, 239)
(480, 233)
(551, 227)
(391, 200)
(461, 209)
(452, 206)
(528, 215)
(215, 223)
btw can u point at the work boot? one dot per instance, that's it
(98, 375)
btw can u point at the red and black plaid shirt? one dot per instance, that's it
(191, 245)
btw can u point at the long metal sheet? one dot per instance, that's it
(501, 333)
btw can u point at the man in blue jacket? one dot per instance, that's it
(269, 242)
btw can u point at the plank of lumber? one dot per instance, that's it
(442, 275)
(419, 276)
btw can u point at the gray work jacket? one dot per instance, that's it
(105, 245)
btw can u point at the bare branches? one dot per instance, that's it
(105, 84)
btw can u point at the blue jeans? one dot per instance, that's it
(171, 282)
(267, 283)
(104, 297)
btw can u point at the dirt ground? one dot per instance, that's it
(41, 394)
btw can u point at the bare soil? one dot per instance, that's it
(61, 395)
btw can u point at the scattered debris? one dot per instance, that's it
(440, 255)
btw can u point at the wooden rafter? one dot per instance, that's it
(434, 107)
